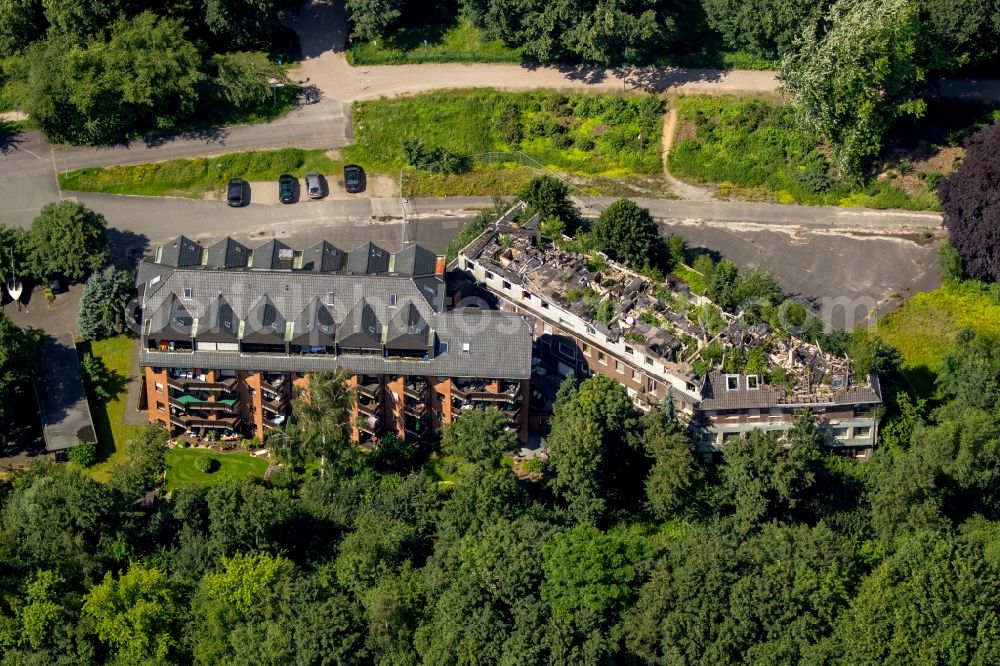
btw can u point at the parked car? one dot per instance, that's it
(314, 186)
(354, 178)
(236, 193)
(286, 188)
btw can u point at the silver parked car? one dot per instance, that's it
(314, 185)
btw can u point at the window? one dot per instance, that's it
(469, 265)
(444, 347)
(526, 295)
(602, 358)
(158, 385)
(753, 382)
(862, 431)
(629, 350)
(586, 349)
(567, 350)
(489, 275)
(187, 293)
(636, 376)
(620, 367)
(506, 285)
(652, 386)
(466, 348)
(649, 361)
(392, 300)
(732, 382)
(329, 298)
(545, 306)
(840, 433)
(160, 407)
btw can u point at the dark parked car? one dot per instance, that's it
(236, 193)
(314, 186)
(286, 189)
(354, 178)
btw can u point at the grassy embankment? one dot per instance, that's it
(607, 143)
(109, 415)
(181, 469)
(610, 144)
(924, 328)
(752, 149)
(194, 178)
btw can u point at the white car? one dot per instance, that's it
(314, 185)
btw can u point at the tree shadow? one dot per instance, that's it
(10, 137)
(100, 379)
(208, 134)
(658, 79)
(125, 248)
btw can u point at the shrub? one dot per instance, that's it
(206, 464)
(83, 454)
(534, 466)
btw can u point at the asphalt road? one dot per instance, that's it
(27, 179)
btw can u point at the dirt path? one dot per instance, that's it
(676, 185)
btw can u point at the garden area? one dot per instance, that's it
(108, 408)
(432, 41)
(467, 141)
(199, 467)
(753, 149)
(193, 178)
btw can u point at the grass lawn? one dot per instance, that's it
(194, 177)
(753, 149)
(112, 433)
(924, 328)
(585, 135)
(462, 42)
(446, 470)
(181, 470)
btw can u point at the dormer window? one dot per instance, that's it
(329, 298)
(466, 348)
(392, 300)
(753, 382)
(732, 382)
(188, 294)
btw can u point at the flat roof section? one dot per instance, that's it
(62, 398)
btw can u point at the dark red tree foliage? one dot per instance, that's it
(970, 199)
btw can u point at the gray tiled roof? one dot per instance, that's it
(273, 254)
(499, 347)
(415, 260)
(218, 323)
(716, 396)
(181, 252)
(315, 326)
(369, 259)
(408, 330)
(360, 328)
(264, 324)
(323, 257)
(227, 253)
(171, 321)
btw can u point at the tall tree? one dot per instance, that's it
(764, 28)
(246, 78)
(851, 84)
(970, 200)
(372, 18)
(479, 436)
(549, 197)
(629, 234)
(80, 18)
(18, 362)
(21, 22)
(134, 614)
(102, 306)
(240, 23)
(67, 239)
(321, 421)
(675, 469)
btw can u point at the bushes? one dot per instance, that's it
(83, 454)
(206, 464)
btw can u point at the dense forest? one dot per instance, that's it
(622, 548)
(101, 71)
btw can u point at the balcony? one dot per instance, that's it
(417, 409)
(369, 389)
(188, 384)
(481, 391)
(186, 401)
(273, 383)
(372, 425)
(273, 424)
(416, 390)
(273, 401)
(368, 408)
(186, 421)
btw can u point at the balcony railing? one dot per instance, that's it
(370, 389)
(186, 402)
(369, 408)
(189, 384)
(186, 421)
(416, 390)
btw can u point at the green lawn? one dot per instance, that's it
(112, 433)
(462, 42)
(181, 470)
(194, 177)
(924, 328)
(588, 135)
(754, 149)
(446, 470)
